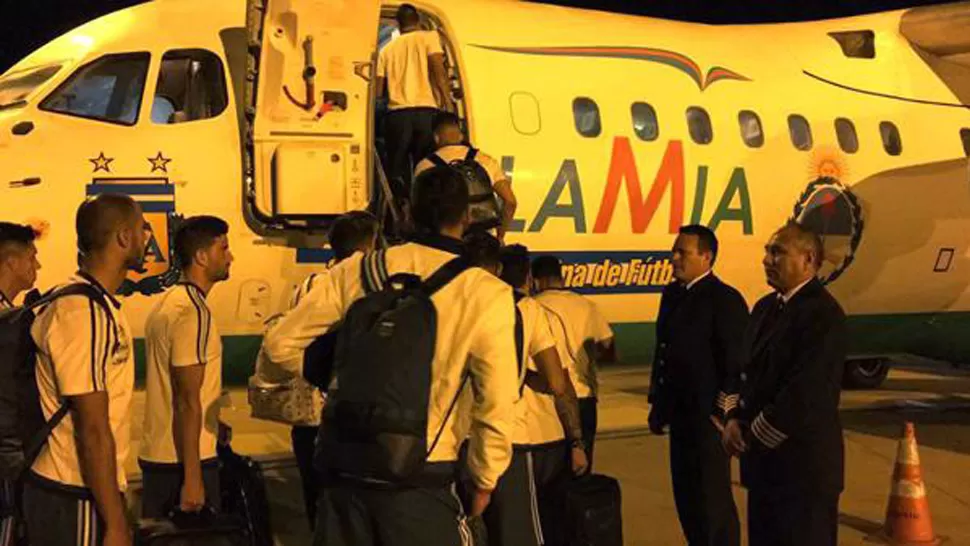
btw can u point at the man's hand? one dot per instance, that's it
(732, 438)
(579, 461)
(480, 500)
(117, 536)
(192, 496)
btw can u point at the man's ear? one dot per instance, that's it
(201, 257)
(124, 237)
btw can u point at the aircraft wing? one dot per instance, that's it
(942, 30)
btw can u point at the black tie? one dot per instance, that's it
(771, 317)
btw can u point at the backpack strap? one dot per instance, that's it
(445, 274)
(472, 152)
(373, 271)
(75, 289)
(37, 443)
(437, 160)
(519, 340)
(454, 401)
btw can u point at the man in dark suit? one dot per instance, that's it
(700, 340)
(786, 425)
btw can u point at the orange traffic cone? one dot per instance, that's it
(908, 515)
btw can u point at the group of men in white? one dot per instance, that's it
(524, 419)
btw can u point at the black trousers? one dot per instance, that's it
(355, 515)
(512, 517)
(304, 439)
(701, 473)
(55, 516)
(162, 487)
(408, 139)
(550, 464)
(587, 418)
(792, 519)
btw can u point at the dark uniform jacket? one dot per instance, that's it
(700, 346)
(790, 390)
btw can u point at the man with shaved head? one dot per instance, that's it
(786, 426)
(85, 362)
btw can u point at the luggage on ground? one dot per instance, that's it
(244, 494)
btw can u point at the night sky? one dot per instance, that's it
(34, 22)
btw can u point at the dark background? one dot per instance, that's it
(27, 24)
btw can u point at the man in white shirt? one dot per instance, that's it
(583, 336)
(184, 378)
(413, 67)
(85, 359)
(514, 517)
(18, 262)
(353, 232)
(475, 321)
(452, 148)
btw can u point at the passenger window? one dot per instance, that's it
(848, 139)
(965, 137)
(857, 44)
(191, 86)
(645, 123)
(751, 130)
(699, 124)
(800, 132)
(891, 140)
(586, 115)
(107, 89)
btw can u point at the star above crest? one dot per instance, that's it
(102, 163)
(159, 163)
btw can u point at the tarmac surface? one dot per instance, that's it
(935, 396)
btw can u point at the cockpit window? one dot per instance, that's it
(107, 89)
(191, 86)
(17, 86)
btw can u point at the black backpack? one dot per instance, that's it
(482, 205)
(23, 430)
(375, 424)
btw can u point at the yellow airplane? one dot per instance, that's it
(616, 130)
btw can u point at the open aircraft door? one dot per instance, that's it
(308, 145)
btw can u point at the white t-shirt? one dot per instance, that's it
(82, 349)
(180, 332)
(405, 66)
(537, 337)
(578, 326)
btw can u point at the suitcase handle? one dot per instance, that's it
(192, 520)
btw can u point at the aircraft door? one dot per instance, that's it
(308, 142)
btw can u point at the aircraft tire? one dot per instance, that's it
(865, 373)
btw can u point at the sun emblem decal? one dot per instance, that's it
(827, 162)
(830, 209)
